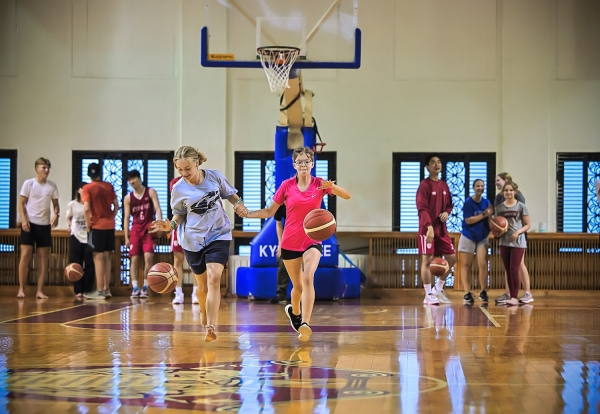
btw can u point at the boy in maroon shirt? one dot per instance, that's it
(434, 203)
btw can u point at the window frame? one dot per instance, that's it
(445, 157)
(561, 158)
(264, 156)
(14, 191)
(145, 156)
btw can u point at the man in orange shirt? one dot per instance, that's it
(100, 206)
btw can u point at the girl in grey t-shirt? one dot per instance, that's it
(513, 242)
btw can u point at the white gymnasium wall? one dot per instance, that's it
(518, 77)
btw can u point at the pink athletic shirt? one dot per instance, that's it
(298, 204)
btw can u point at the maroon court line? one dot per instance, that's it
(72, 314)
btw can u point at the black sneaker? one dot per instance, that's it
(468, 298)
(483, 296)
(278, 299)
(295, 320)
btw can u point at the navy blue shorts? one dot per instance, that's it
(292, 254)
(215, 252)
(101, 241)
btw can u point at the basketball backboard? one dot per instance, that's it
(326, 31)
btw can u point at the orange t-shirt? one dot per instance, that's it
(101, 195)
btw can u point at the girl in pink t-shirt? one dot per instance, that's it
(300, 194)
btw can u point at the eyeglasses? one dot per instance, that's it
(303, 163)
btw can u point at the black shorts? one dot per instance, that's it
(102, 240)
(215, 252)
(292, 254)
(39, 236)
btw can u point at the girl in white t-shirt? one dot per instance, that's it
(79, 251)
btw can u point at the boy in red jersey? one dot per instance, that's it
(434, 202)
(142, 204)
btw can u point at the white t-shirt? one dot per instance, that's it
(39, 200)
(78, 227)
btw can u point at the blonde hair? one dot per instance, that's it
(514, 186)
(189, 153)
(303, 150)
(43, 161)
(505, 176)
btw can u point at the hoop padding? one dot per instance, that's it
(277, 62)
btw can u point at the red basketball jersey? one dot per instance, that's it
(142, 211)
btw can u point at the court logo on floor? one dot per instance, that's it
(252, 385)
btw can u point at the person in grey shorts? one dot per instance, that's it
(501, 179)
(477, 211)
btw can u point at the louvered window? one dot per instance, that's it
(255, 181)
(577, 208)
(458, 170)
(8, 188)
(155, 169)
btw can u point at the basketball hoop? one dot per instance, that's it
(318, 147)
(277, 62)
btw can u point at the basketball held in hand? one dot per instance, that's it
(499, 226)
(319, 224)
(162, 278)
(439, 266)
(74, 272)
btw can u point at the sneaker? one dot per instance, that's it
(144, 292)
(527, 298)
(430, 299)
(295, 320)
(512, 302)
(503, 298)
(107, 293)
(178, 300)
(483, 296)
(278, 299)
(135, 293)
(195, 300)
(304, 331)
(468, 298)
(211, 334)
(95, 295)
(440, 295)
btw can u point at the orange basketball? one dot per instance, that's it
(439, 266)
(499, 225)
(162, 278)
(319, 224)
(73, 272)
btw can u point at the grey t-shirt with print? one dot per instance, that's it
(205, 217)
(514, 217)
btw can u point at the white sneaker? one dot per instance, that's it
(431, 299)
(195, 300)
(178, 300)
(440, 295)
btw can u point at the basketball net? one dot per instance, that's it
(277, 61)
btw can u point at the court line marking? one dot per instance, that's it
(490, 317)
(99, 314)
(42, 313)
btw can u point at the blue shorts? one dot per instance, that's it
(215, 252)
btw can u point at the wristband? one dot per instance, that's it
(240, 200)
(173, 224)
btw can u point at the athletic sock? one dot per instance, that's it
(427, 288)
(145, 282)
(134, 283)
(439, 285)
(179, 290)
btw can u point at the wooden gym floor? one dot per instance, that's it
(387, 353)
